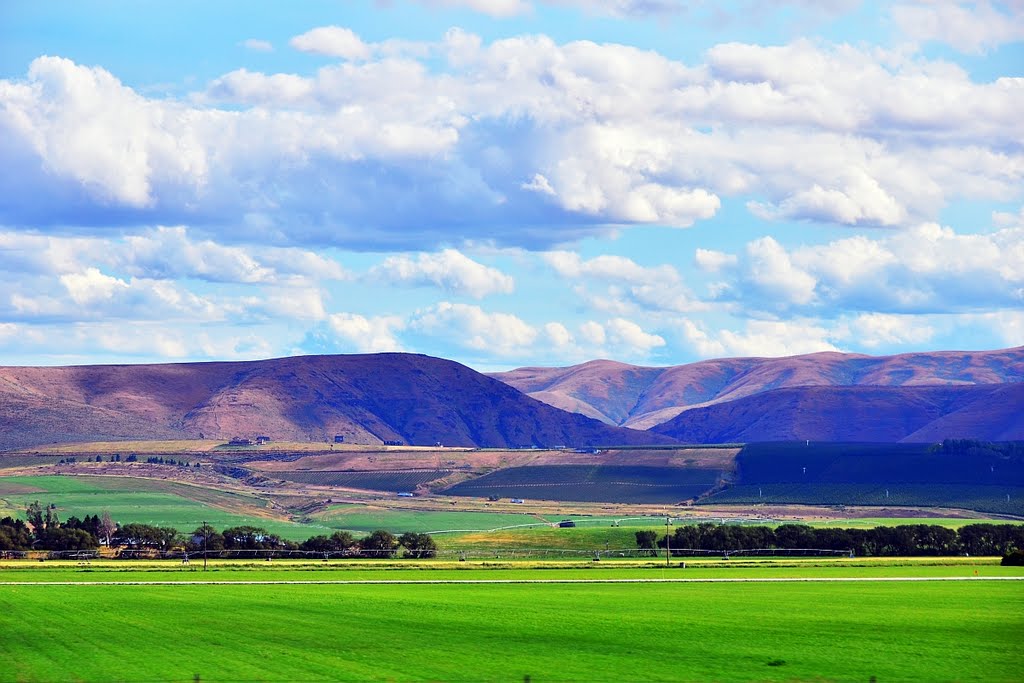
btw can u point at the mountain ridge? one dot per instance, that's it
(642, 397)
(922, 413)
(367, 398)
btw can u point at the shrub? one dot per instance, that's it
(1013, 559)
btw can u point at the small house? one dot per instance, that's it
(261, 440)
(339, 438)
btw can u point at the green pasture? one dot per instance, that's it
(455, 522)
(607, 520)
(577, 538)
(144, 501)
(360, 518)
(964, 631)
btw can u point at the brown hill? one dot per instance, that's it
(862, 413)
(414, 399)
(641, 397)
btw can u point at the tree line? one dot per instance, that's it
(155, 460)
(1013, 450)
(907, 539)
(42, 530)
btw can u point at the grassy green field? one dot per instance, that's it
(146, 501)
(965, 631)
(579, 538)
(361, 518)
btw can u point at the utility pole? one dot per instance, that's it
(206, 535)
(668, 542)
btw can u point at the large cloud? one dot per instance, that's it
(520, 141)
(470, 326)
(158, 273)
(924, 269)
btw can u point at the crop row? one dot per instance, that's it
(996, 499)
(592, 483)
(396, 480)
(810, 463)
(12, 461)
(594, 474)
(595, 492)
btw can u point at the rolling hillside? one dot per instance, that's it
(641, 397)
(415, 399)
(881, 414)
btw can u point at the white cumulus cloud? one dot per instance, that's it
(972, 27)
(375, 334)
(521, 141)
(449, 270)
(332, 41)
(637, 342)
(474, 328)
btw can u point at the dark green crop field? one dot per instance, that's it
(836, 631)
(592, 483)
(920, 475)
(1006, 500)
(396, 480)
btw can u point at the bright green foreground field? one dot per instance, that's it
(614, 632)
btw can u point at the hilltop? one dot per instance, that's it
(407, 398)
(642, 397)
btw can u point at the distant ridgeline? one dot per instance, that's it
(959, 473)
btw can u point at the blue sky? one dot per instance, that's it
(509, 182)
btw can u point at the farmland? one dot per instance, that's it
(611, 483)
(16, 461)
(301, 494)
(873, 463)
(472, 631)
(146, 501)
(876, 474)
(386, 480)
(984, 498)
(365, 518)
